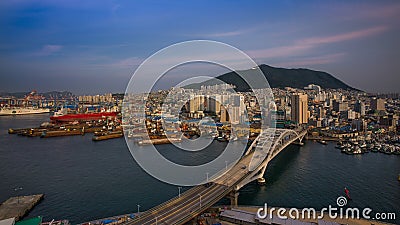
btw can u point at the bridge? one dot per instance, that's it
(181, 209)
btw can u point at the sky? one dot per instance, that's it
(93, 47)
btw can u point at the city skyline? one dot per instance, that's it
(90, 48)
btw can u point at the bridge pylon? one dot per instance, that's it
(233, 197)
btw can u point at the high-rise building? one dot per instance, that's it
(214, 103)
(224, 115)
(234, 114)
(378, 104)
(299, 109)
(321, 112)
(339, 106)
(196, 103)
(359, 124)
(359, 107)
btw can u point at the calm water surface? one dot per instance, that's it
(84, 180)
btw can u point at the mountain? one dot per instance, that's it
(280, 78)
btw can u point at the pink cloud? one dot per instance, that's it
(226, 34)
(238, 32)
(282, 51)
(370, 12)
(311, 61)
(305, 45)
(345, 37)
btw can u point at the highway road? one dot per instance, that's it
(194, 201)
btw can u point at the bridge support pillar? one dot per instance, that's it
(299, 143)
(233, 196)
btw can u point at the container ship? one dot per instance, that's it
(22, 111)
(82, 116)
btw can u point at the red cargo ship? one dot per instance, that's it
(83, 116)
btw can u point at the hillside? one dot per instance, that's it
(282, 77)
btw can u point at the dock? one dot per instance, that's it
(114, 220)
(159, 141)
(60, 133)
(18, 206)
(67, 130)
(108, 136)
(321, 138)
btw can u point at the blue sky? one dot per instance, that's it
(91, 47)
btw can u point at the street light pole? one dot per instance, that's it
(138, 210)
(226, 165)
(179, 191)
(200, 200)
(207, 176)
(18, 189)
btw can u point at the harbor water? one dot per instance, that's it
(84, 180)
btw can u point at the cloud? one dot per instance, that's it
(312, 61)
(345, 36)
(226, 34)
(304, 46)
(128, 62)
(49, 50)
(283, 51)
(233, 33)
(301, 47)
(370, 12)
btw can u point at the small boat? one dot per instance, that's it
(322, 142)
(349, 151)
(377, 148)
(347, 192)
(357, 150)
(221, 139)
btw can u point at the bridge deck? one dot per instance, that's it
(191, 203)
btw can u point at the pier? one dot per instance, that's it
(160, 141)
(108, 135)
(17, 207)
